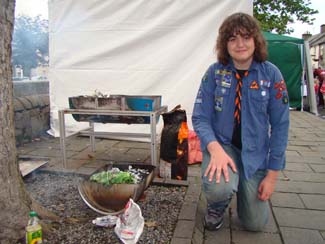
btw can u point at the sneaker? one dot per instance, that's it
(213, 220)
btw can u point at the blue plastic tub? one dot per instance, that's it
(138, 103)
(144, 103)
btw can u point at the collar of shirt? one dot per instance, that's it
(231, 66)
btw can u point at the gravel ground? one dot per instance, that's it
(59, 194)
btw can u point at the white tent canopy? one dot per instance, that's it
(136, 47)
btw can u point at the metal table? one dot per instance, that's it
(153, 115)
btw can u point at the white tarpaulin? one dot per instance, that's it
(132, 47)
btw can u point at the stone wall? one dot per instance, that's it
(29, 88)
(32, 110)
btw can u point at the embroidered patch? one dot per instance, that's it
(222, 72)
(225, 77)
(265, 83)
(281, 89)
(226, 80)
(218, 104)
(254, 85)
(285, 99)
(205, 77)
(218, 72)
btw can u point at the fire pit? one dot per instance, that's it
(111, 199)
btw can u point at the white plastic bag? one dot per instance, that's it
(129, 225)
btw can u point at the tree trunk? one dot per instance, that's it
(14, 200)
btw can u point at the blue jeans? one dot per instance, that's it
(252, 212)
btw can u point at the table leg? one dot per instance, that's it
(92, 136)
(154, 154)
(62, 138)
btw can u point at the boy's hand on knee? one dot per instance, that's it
(267, 185)
(219, 162)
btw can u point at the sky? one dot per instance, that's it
(40, 7)
(32, 8)
(319, 20)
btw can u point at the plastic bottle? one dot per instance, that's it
(33, 230)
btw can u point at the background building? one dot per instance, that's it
(317, 48)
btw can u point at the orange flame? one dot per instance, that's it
(183, 132)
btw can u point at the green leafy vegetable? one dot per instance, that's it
(108, 178)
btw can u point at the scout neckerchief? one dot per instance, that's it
(236, 139)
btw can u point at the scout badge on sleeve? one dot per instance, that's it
(281, 91)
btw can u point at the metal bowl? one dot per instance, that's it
(112, 199)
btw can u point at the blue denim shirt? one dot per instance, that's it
(264, 113)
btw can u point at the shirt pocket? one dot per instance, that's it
(259, 99)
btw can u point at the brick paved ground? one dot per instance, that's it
(297, 206)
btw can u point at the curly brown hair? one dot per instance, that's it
(243, 24)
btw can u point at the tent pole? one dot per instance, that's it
(303, 75)
(310, 80)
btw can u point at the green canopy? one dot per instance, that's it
(270, 37)
(286, 53)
